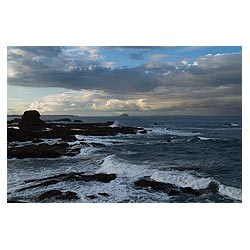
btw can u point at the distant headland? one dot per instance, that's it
(124, 115)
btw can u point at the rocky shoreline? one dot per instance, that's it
(32, 129)
(27, 139)
(30, 137)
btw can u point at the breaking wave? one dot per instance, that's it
(184, 179)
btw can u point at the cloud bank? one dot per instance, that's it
(209, 83)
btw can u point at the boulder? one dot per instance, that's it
(31, 121)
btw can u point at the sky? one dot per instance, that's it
(137, 80)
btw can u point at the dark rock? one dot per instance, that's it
(92, 196)
(32, 128)
(73, 176)
(57, 195)
(142, 131)
(38, 151)
(189, 190)
(31, 121)
(213, 187)
(155, 185)
(43, 184)
(155, 123)
(104, 194)
(110, 123)
(18, 135)
(102, 177)
(78, 121)
(69, 138)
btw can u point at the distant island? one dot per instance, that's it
(124, 115)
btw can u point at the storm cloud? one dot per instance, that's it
(188, 82)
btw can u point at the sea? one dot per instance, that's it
(187, 151)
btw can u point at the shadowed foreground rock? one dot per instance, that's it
(57, 195)
(72, 176)
(147, 182)
(42, 151)
(170, 189)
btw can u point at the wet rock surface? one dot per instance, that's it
(41, 151)
(32, 128)
(170, 189)
(57, 195)
(54, 194)
(72, 176)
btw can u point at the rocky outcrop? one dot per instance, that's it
(57, 195)
(72, 176)
(41, 151)
(147, 182)
(170, 189)
(31, 121)
(32, 127)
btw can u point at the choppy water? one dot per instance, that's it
(185, 151)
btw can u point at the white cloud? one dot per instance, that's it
(122, 105)
(157, 57)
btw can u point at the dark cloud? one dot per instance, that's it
(53, 67)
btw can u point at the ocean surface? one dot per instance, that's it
(188, 151)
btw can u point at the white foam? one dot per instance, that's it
(113, 164)
(163, 131)
(234, 124)
(232, 192)
(115, 124)
(181, 179)
(204, 138)
(106, 140)
(86, 151)
(14, 127)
